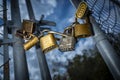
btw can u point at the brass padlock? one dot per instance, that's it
(31, 42)
(48, 42)
(82, 30)
(67, 43)
(28, 26)
(20, 33)
(82, 10)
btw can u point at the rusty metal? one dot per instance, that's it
(19, 57)
(28, 26)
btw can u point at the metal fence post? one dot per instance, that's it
(44, 70)
(105, 48)
(5, 47)
(20, 63)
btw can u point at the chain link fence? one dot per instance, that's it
(107, 14)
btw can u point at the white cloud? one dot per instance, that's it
(52, 2)
(58, 60)
(46, 7)
(8, 11)
(72, 19)
(23, 10)
(1, 31)
(55, 58)
(85, 44)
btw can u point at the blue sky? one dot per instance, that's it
(62, 12)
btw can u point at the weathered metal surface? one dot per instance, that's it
(20, 63)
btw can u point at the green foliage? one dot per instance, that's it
(90, 68)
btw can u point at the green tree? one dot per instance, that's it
(88, 68)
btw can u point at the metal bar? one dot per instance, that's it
(1, 5)
(1, 25)
(3, 10)
(5, 63)
(7, 41)
(117, 2)
(19, 57)
(106, 50)
(5, 47)
(30, 10)
(44, 70)
(1, 54)
(45, 73)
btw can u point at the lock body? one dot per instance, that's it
(82, 30)
(28, 26)
(67, 44)
(48, 42)
(31, 43)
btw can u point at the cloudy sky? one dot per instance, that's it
(62, 12)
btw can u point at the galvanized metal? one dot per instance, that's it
(44, 70)
(7, 41)
(5, 46)
(20, 63)
(107, 51)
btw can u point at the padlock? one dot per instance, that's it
(48, 42)
(67, 43)
(82, 10)
(28, 26)
(20, 33)
(31, 42)
(82, 30)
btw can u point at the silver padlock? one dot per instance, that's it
(67, 43)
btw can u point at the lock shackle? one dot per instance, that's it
(28, 36)
(58, 33)
(69, 28)
(54, 32)
(86, 21)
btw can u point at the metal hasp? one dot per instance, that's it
(44, 70)
(106, 50)
(20, 63)
(5, 47)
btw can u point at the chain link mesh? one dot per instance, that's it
(107, 14)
